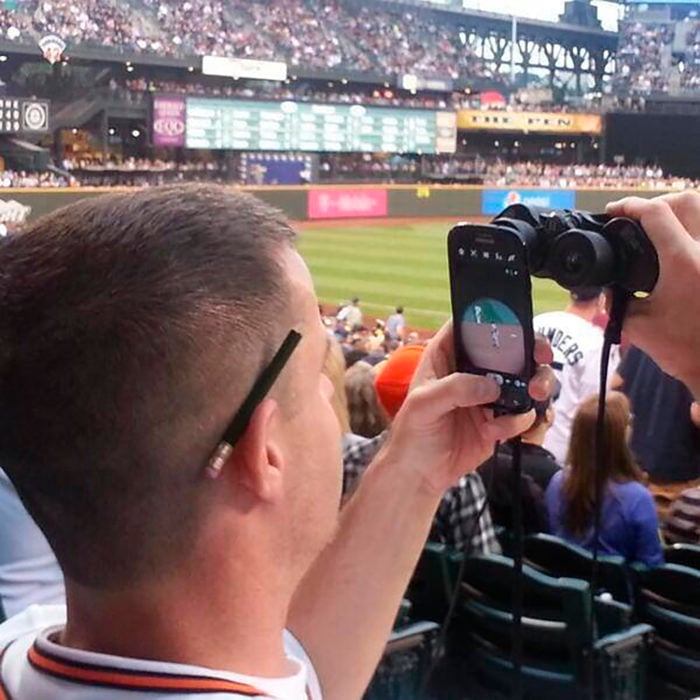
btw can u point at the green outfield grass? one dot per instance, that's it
(386, 265)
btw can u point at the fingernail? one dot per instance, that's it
(487, 389)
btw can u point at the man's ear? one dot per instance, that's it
(258, 458)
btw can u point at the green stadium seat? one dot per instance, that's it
(403, 616)
(555, 628)
(556, 557)
(407, 657)
(683, 554)
(432, 584)
(668, 598)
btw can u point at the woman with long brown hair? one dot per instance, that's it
(629, 523)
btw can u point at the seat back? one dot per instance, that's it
(406, 660)
(555, 612)
(684, 555)
(552, 555)
(668, 598)
(432, 584)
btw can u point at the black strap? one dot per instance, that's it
(517, 635)
(613, 336)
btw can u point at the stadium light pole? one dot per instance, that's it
(513, 44)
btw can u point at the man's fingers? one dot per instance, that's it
(437, 360)
(695, 413)
(542, 384)
(686, 207)
(506, 427)
(543, 350)
(657, 219)
(437, 398)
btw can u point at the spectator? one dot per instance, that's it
(664, 439)
(351, 315)
(358, 451)
(629, 524)
(538, 467)
(393, 381)
(683, 520)
(159, 524)
(577, 345)
(396, 325)
(537, 462)
(29, 572)
(367, 418)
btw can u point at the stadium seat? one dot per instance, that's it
(405, 662)
(552, 555)
(404, 614)
(683, 554)
(556, 638)
(431, 587)
(668, 598)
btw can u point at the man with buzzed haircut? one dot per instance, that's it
(167, 424)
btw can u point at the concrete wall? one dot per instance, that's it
(337, 202)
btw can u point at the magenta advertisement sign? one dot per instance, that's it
(168, 121)
(347, 203)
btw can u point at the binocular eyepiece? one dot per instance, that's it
(579, 249)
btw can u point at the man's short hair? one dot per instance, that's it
(131, 327)
(585, 294)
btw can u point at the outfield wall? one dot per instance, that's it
(352, 202)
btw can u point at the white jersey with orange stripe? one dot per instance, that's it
(34, 667)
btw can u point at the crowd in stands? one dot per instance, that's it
(500, 173)
(21, 178)
(381, 97)
(141, 172)
(644, 57)
(646, 453)
(690, 78)
(658, 56)
(309, 33)
(356, 168)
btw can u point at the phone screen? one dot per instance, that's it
(492, 309)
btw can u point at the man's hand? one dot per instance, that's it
(443, 429)
(666, 325)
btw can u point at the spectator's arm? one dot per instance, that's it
(645, 527)
(354, 588)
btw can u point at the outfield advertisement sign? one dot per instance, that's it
(347, 203)
(494, 201)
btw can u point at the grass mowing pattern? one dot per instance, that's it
(386, 265)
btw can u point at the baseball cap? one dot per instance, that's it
(586, 293)
(395, 377)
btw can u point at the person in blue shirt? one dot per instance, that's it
(629, 524)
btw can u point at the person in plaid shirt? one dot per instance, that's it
(456, 522)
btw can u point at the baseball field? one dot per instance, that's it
(386, 263)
